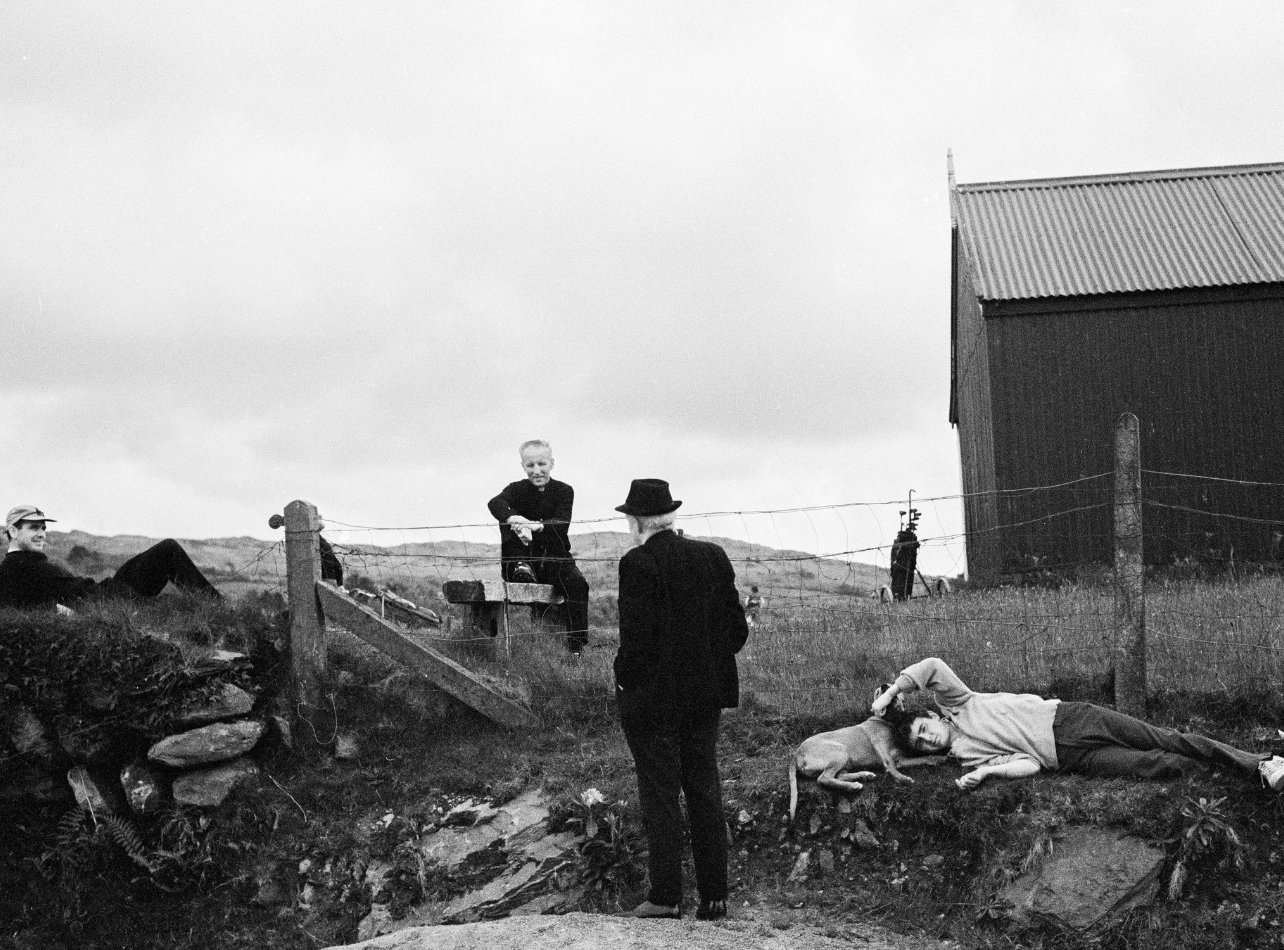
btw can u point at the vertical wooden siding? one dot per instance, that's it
(971, 403)
(1205, 381)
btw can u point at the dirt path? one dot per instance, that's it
(765, 930)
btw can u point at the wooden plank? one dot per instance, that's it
(473, 592)
(444, 672)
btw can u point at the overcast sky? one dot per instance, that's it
(356, 252)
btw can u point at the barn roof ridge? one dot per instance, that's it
(1160, 174)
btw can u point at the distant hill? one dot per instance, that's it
(252, 563)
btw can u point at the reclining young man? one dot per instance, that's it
(1015, 735)
(29, 579)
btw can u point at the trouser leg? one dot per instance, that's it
(703, 791)
(566, 579)
(511, 551)
(656, 756)
(165, 562)
(1094, 740)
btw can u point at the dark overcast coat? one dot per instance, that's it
(552, 506)
(681, 624)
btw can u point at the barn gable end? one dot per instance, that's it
(1075, 300)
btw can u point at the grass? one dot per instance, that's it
(285, 867)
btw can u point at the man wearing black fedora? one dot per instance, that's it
(681, 626)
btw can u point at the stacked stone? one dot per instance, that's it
(199, 766)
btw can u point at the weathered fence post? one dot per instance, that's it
(307, 624)
(1130, 571)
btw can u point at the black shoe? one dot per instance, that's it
(711, 910)
(523, 573)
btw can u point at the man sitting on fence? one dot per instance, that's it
(28, 579)
(1011, 735)
(535, 516)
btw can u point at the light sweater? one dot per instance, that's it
(988, 728)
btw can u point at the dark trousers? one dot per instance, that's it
(1093, 740)
(566, 579)
(146, 574)
(676, 752)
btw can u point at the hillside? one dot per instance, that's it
(246, 563)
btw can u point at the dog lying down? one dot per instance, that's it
(837, 760)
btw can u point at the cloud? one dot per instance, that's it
(357, 253)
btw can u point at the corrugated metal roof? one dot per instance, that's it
(1164, 230)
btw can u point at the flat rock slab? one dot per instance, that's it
(208, 744)
(92, 793)
(228, 703)
(534, 863)
(450, 846)
(209, 788)
(595, 931)
(1092, 876)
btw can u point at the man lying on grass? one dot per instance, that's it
(1015, 735)
(29, 579)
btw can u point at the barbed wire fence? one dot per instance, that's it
(1212, 612)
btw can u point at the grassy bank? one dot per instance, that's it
(285, 867)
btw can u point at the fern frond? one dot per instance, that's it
(126, 838)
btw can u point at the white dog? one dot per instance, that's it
(837, 759)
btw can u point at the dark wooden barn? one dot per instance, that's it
(1075, 300)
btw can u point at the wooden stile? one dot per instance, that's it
(444, 672)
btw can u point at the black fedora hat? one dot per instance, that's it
(648, 496)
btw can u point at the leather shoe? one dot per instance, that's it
(647, 909)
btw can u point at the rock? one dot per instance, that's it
(1092, 876)
(91, 794)
(29, 736)
(208, 744)
(346, 747)
(534, 862)
(862, 837)
(144, 792)
(825, 859)
(228, 703)
(283, 731)
(469, 812)
(933, 861)
(799, 872)
(208, 788)
(217, 661)
(595, 931)
(530, 873)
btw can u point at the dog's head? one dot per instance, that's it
(898, 703)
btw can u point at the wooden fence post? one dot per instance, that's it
(307, 624)
(1130, 571)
